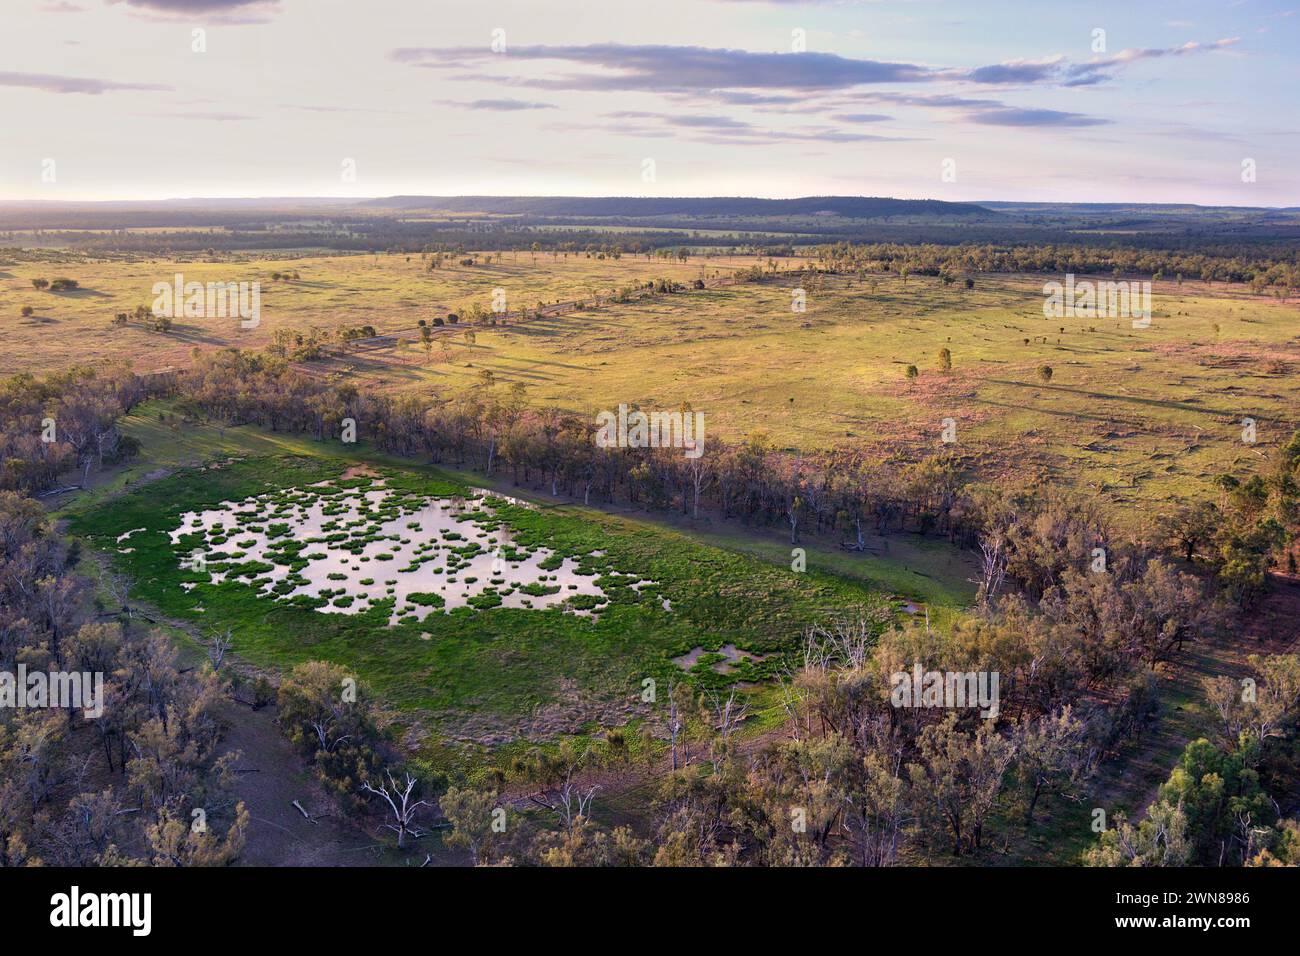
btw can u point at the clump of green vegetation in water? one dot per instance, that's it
(501, 664)
(486, 600)
(539, 590)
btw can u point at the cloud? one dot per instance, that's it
(980, 110)
(926, 100)
(680, 68)
(744, 98)
(687, 122)
(337, 109)
(729, 130)
(860, 117)
(1097, 70)
(504, 105)
(197, 6)
(53, 83)
(1017, 71)
(214, 117)
(1015, 116)
(222, 12)
(1192, 46)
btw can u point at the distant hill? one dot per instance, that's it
(602, 207)
(509, 222)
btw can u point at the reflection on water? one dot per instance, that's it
(356, 546)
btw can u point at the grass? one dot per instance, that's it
(491, 684)
(334, 292)
(1137, 417)
(481, 676)
(510, 685)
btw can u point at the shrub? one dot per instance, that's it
(336, 729)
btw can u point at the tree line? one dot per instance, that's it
(1075, 620)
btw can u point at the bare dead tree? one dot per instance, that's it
(675, 724)
(728, 715)
(845, 641)
(574, 802)
(218, 644)
(800, 717)
(400, 804)
(993, 566)
(322, 727)
(119, 590)
(701, 475)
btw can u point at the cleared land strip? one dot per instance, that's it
(390, 339)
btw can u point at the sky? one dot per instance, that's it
(1049, 100)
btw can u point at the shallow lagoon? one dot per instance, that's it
(341, 546)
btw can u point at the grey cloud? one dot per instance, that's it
(860, 117)
(692, 122)
(198, 6)
(1097, 70)
(931, 100)
(501, 105)
(337, 109)
(1017, 71)
(980, 110)
(745, 98)
(726, 129)
(53, 83)
(1014, 116)
(677, 68)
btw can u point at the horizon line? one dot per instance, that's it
(344, 200)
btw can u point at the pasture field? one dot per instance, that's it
(475, 678)
(1136, 416)
(388, 292)
(1139, 417)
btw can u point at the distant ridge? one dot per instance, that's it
(848, 207)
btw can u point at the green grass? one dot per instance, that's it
(489, 673)
(1137, 418)
(334, 292)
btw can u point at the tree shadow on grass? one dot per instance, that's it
(79, 293)
(1107, 396)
